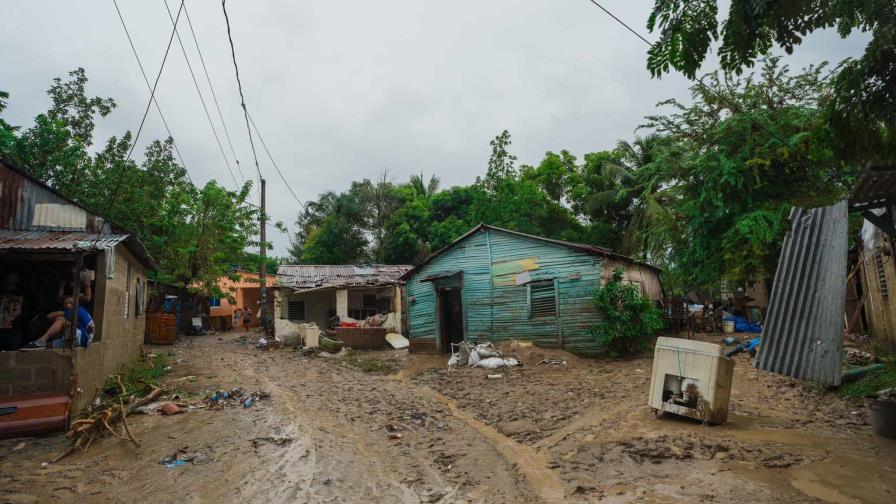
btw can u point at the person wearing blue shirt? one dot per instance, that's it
(60, 319)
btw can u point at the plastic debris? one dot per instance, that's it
(553, 362)
(495, 376)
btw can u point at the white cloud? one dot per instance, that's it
(343, 90)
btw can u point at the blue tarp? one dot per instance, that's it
(743, 325)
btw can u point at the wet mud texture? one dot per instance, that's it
(551, 433)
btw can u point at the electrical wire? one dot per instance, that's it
(240, 85)
(152, 94)
(214, 96)
(201, 99)
(699, 80)
(263, 144)
(149, 88)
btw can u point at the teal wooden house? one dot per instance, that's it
(493, 284)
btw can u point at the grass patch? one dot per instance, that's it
(368, 364)
(140, 379)
(876, 380)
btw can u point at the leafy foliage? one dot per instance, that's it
(862, 108)
(628, 321)
(195, 233)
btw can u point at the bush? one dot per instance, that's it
(628, 321)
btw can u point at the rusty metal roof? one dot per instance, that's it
(301, 277)
(875, 185)
(57, 240)
(29, 207)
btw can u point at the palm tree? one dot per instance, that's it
(634, 191)
(425, 190)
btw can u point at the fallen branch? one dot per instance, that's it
(85, 430)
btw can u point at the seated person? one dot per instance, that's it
(60, 319)
(12, 309)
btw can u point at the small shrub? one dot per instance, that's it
(628, 321)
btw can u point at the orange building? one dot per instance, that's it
(245, 292)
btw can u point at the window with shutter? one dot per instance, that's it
(369, 302)
(542, 299)
(295, 310)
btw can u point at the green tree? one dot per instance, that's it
(862, 109)
(730, 184)
(194, 234)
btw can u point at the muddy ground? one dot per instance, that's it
(579, 432)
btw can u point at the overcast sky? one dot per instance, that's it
(344, 90)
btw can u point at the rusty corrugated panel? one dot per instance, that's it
(11, 197)
(307, 276)
(56, 240)
(874, 185)
(803, 334)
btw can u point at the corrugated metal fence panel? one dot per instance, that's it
(803, 332)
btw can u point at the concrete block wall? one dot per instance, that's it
(34, 372)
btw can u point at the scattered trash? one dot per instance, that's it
(182, 457)
(44, 464)
(18, 446)
(397, 341)
(229, 398)
(856, 357)
(495, 376)
(169, 408)
(266, 344)
(553, 362)
(483, 355)
(729, 341)
(308, 351)
(394, 435)
(748, 346)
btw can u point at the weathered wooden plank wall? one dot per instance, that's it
(496, 266)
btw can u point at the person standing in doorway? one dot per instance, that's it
(237, 318)
(247, 318)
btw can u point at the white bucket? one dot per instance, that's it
(728, 326)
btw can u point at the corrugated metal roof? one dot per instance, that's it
(312, 276)
(874, 185)
(27, 204)
(803, 334)
(582, 247)
(57, 240)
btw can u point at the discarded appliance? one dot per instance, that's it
(691, 378)
(397, 341)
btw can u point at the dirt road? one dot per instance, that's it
(578, 432)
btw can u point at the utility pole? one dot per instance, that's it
(263, 274)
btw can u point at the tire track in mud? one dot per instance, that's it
(529, 462)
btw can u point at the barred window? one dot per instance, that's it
(295, 310)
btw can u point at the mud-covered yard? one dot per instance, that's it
(389, 427)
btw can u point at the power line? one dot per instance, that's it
(214, 96)
(733, 105)
(152, 94)
(149, 87)
(240, 85)
(201, 99)
(263, 144)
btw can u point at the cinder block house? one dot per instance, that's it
(43, 237)
(493, 284)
